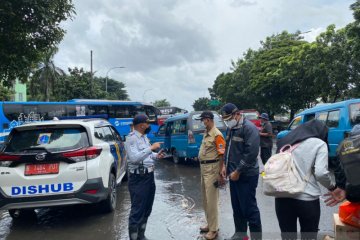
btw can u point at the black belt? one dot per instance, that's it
(208, 161)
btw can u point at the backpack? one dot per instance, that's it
(349, 154)
(281, 177)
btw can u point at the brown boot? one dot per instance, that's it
(204, 228)
(211, 235)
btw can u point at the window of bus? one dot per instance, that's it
(354, 113)
(151, 113)
(295, 123)
(30, 113)
(121, 111)
(12, 111)
(49, 111)
(96, 110)
(179, 127)
(333, 119)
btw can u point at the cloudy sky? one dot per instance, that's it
(175, 49)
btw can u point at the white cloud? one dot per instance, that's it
(177, 48)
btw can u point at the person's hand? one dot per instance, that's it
(223, 172)
(161, 154)
(221, 180)
(156, 146)
(335, 197)
(234, 176)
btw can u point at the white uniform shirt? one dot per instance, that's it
(138, 151)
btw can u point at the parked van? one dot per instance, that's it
(340, 117)
(182, 135)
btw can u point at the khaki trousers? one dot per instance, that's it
(210, 194)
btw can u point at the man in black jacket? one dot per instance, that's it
(242, 168)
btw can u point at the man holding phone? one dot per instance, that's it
(211, 162)
(140, 157)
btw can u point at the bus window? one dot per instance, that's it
(333, 119)
(309, 117)
(120, 111)
(31, 113)
(322, 117)
(96, 110)
(71, 110)
(48, 112)
(150, 112)
(12, 111)
(295, 123)
(355, 113)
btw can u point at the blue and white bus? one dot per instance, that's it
(118, 113)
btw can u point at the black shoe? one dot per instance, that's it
(238, 236)
(255, 232)
(133, 232)
(142, 229)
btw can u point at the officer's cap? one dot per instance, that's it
(140, 118)
(205, 114)
(228, 110)
(264, 116)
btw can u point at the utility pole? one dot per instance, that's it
(91, 73)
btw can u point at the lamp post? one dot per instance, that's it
(146, 90)
(106, 79)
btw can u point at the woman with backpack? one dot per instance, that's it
(310, 155)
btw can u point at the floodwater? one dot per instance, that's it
(177, 213)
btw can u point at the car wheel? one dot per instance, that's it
(109, 204)
(18, 214)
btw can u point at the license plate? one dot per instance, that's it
(41, 169)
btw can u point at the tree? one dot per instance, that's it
(116, 89)
(78, 85)
(43, 79)
(28, 28)
(353, 34)
(162, 103)
(201, 104)
(334, 68)
(5, 93)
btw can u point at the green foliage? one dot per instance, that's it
(43, 79)
(5, 93)
(201, 104)
(287, 74)
(162, 103)
(28, 28)
(78, 84)
(116, 89)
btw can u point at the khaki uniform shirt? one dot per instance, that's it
(212, 146)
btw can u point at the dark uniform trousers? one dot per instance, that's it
(265, 154)
(243, 200)
(142, 193)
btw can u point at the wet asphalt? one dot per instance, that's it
(177, 213)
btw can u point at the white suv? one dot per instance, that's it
(61, 162)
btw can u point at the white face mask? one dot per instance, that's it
(232, 123)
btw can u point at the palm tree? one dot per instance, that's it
(44, 77)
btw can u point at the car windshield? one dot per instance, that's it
(197, 124)
(250, 115)
(49, 139)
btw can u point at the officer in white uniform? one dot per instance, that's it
(140, 157)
